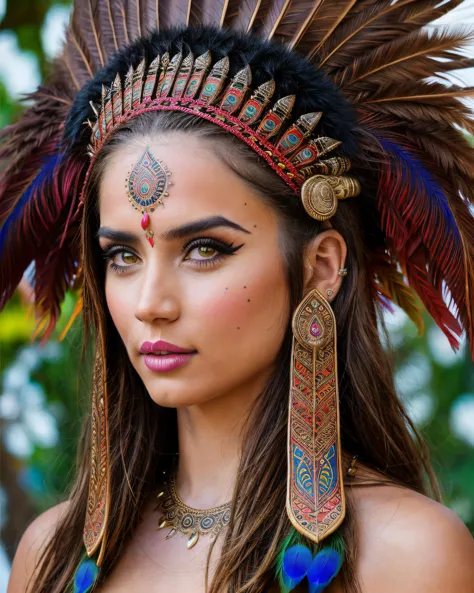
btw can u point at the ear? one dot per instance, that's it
(324, 256)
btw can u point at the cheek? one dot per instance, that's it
(120, 309)
(246, 317)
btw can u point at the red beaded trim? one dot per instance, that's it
(281, 165)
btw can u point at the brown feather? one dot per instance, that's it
(269, 16)
(427, 11)
(149, 16)
(241, 16)
(80, 61)
(208, 12)
(294, 17)
(430, 92)
(381, 18)
(132, 12)
(423, 114)
(123, 15)
(67, 63)
(319, 24)
(92, 17)
(112, 25)
(84, 27)
(410, 55)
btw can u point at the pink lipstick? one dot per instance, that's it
(163, 356)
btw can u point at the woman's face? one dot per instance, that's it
(218, 291)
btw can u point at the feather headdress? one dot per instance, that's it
(316, 89)
(377, 71)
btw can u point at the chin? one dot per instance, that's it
(174, 398)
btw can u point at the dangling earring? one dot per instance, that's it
(315, 497)
(98, 501)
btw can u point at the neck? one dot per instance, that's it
(210, 442)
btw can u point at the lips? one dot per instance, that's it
(161, 346)
(167, 362)
(163, 356)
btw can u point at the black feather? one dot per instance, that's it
(291, 72)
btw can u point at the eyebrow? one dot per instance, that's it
(204, 224)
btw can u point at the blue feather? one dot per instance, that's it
(86, 575)
(323, 569)
(414, 174)
(45, 174)
(296, 563)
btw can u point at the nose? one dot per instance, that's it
(157, 299)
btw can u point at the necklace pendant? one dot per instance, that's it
(193, 523)
(193, 539)
(162, 523)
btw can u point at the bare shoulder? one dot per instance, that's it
(31, 544)
(411, 543)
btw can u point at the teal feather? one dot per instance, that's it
(294, 538)
(86, 576)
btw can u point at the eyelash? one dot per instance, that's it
(223, 249)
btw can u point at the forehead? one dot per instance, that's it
(201, 184)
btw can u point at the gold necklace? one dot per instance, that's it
(191, 522)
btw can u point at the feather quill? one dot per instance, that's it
(269, 17)
(427, 11)
(112, 24)
(320, 24)
(85, 37)
(241, 16)
(361, 27)
(411, 55)
(424, 92)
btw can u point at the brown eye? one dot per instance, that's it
(206, 251)
(129, 258)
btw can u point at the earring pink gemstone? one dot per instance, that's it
(315, 330)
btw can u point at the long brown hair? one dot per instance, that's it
(374, 424)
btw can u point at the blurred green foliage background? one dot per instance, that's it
(43, 394)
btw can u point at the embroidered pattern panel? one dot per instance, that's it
(315, 499)
(97, 502)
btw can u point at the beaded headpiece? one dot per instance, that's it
(292, 148)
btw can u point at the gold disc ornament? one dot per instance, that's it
(320, 194)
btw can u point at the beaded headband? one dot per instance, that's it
(194, 86)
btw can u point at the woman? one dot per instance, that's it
(284, 194)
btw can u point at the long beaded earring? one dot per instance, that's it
(315, 496)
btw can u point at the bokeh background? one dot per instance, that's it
(43, 390)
